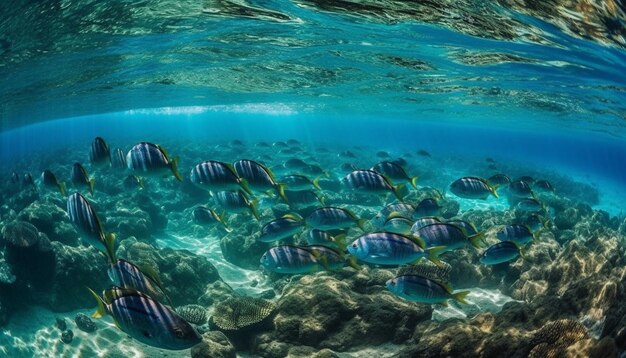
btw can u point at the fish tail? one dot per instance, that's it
(477, 240)
(92, 181)
(101, 310)
(352, 263)
(174, 167)
(110, 246)
(361, 224)
(281, 193)
(223, 222)
(245, 186)
(254, 210)
(141, 182)
(460, 296)
(396, 192)
(494, 190)
(62, 188)
(433, 254)
(414, 182)
(316, 183)
(341, 242)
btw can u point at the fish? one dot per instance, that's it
(15, 178)
(288, 259)
(151, 159)
(527, 179)
(499, 179)
(262, 145)
(398, 225)
(448, 235)
(328, 257)
(536, 222)
(236, 201)
(543, 185)
(330, 218)
(468, 227)
(27, 180)
(258, 176)
(49, 180)
(118, 159)
(404, 210)
(530, 205)
(501, 252)
(490, 160)
(520, 188)
(382, 154)
(519, 234)
(473, 188)
(204, 215)
(371, 181)
(213, 175)
(293, 142)
(300, 182)
(348, 167)
(314, 169)
(387, 248)
(302, 197)
(80, 178)
(425, 221)
(132, 181)
(420, 289)
(146, 320)
(125, 274)
(394, 171)
(324, 238)
(423, 153)
(281, 228)
(86, 222)
(280, 144)
(99, 153)
(294, 163)
(427, 207)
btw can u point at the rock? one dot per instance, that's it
(242, 249)
(67, 336)
(214, 345)
(74, 269)
(84, 323)
(185, 276)
(60, 324)
(51, 219)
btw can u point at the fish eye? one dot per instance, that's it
(354, 245)
(179, 333)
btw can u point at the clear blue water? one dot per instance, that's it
(539, 88)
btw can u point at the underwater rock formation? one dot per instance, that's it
(184, 274)
(50, 218)
(244, 250)
(214, 345)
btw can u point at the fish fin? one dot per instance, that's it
(254, 210)
(316, 183)
(141, 182)
(221, 219)
(361, 224)
(151, 273)
(62, 188)
(414, 182)
(418, 240)
(352, 263)
(327, 173)
(174, 167)
(477, 240)
(92, 181)
(101, 310)
(109, 242)
(493, 189)
(393, 215)
(281, 192)
(293, 216)
(444, 303)
(322, 200)
(243, 183)
(341, 242)
(396, 192)
(433, 254)
(321, 258)
(460, 296)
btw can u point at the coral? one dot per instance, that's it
(214, 345)
(50, 218)
(85, 323)
(236, 313)
(195, 314)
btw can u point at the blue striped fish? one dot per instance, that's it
(235, 201)
(204, 215)
(394, 171)
(80, 178)
(125, 274)
(448, 235)
(151, 159)
(424, 290)
(388, 248)
(258, 176)
(281, 228)
(501, 252)
(99, 154)
(217, 176)
(473, 188)
(371, 181)
(146, 320)
(289, 259)
(49, 180)
(86, 222)
(330, 218)
(425, 221)
(118, 159)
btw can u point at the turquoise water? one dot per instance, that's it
(452, 89)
